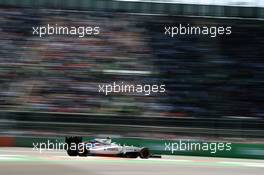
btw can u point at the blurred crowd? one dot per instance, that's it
(62, 73)
(204, 77)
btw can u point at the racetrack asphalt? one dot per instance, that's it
(26, 161)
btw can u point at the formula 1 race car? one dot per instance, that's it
(103, 147)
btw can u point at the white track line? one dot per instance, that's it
(248, 164)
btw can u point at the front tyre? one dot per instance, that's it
(144, 153)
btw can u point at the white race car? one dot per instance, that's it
(103, 147)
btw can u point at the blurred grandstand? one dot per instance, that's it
(214, 86)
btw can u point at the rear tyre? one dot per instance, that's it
(83, 152)
(144, 153)
(72, 152)
(72, 145)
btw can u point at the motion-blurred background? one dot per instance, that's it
(214, 86)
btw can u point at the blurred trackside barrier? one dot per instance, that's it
(143, 7)
(239, 150)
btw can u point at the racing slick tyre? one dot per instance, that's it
(144, 153)
(70, 141)
(83, 152)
